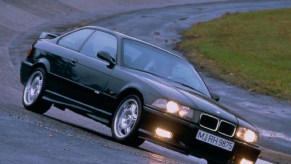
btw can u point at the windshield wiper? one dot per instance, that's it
(190, 87)
(147, 72)
(185, 85)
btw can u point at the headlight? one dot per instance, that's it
(246, 135)
(174, 108)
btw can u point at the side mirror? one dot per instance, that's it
(215, 96)
(106, 56)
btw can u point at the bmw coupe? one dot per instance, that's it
(142, 92)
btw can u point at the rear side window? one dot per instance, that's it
(76, 39)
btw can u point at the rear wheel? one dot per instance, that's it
(126, 121)
(33, 91)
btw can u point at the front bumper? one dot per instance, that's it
(184, 138)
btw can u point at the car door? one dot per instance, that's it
(59, 55)
(88, 74)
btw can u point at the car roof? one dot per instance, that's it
(124, 36)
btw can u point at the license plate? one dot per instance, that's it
(215, 140)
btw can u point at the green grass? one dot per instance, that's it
(251, 50)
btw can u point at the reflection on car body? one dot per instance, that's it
(139, 90)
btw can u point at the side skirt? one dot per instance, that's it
(63, 102)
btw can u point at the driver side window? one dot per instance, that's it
(100, 41)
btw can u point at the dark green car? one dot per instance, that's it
(139, 90)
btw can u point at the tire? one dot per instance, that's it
(126, 121)
(33, 92)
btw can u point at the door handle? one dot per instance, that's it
(74, 61)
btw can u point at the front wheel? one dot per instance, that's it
(32, 93)
(126, 121)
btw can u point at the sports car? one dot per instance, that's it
(142, 92)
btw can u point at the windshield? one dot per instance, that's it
(150, 59)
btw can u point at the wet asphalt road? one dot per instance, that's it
(64, 137)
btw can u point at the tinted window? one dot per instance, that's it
(100, 41)
(76, 39)
(146, 58)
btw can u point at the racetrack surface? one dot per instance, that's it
(34, 138)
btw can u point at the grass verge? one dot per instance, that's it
(251, 50)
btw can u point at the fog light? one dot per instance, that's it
(245, 161)
(163, 133)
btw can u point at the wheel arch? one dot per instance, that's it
(130, 91)
(42, 63)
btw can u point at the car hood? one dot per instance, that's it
(191, 98)
(206, 105)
